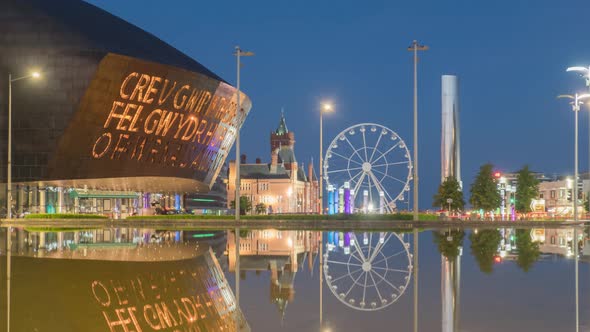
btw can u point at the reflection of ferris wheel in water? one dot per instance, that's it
(374, 162)
(367, 271)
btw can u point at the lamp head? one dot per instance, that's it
(36, 74)
(582, 70)
(242, 53)
(327, 107)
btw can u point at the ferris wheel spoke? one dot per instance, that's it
(344, 170)
(375, 283)
(391, 164)
(354, 177)
(389, 201)
(389, 176)
(365, 146)
(347, 158)
(353, 254)
(343, 263)
(357, 258)
(375, 147)
(388, 151)
(346, 275)
(379, 246)
(387, 281)
(359, 182)
(354, 284)
(359, 250)
(380, 188)
(370, 191)
(370, 246)
(365, 287)
(389, 257)
(354, 150)
(388, 269)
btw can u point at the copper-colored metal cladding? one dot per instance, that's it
(450, 147)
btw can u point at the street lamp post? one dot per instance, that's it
(324, 108)
(585, 73)
(9, 157)
(415, 47)
(238, 53)
(577, 101)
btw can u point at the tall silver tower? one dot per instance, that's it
(450, 152)
(450, 165)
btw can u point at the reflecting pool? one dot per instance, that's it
(138, 279)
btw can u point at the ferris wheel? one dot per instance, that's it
(367, 271)
(373, 162)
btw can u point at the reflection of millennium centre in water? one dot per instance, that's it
(114, 280)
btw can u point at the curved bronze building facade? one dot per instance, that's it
(116, 108)
(113, 102)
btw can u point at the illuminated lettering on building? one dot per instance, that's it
(140, 119)
(172, 123)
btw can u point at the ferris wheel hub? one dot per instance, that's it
(366, 266)
(366, 167)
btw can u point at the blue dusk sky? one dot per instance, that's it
(510, 56)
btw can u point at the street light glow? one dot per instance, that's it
(327, 107)
(36, 74)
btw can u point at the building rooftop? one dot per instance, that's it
(108, 33)
(287, 155)
(262, 171)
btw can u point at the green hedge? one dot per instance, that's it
(397, 216)
(63, 216)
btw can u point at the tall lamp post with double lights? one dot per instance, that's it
(585, 73)
(9, 157)
(238, 53)
(326, 107)
(577, 100)
(415, 47)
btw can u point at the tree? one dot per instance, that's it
(245, 205)
(528, 251)
(527, 189)
(484, 190)
(484, 246)
(450, 188)
(260, 208)
(449, 243)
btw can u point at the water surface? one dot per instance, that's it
(136, 279)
